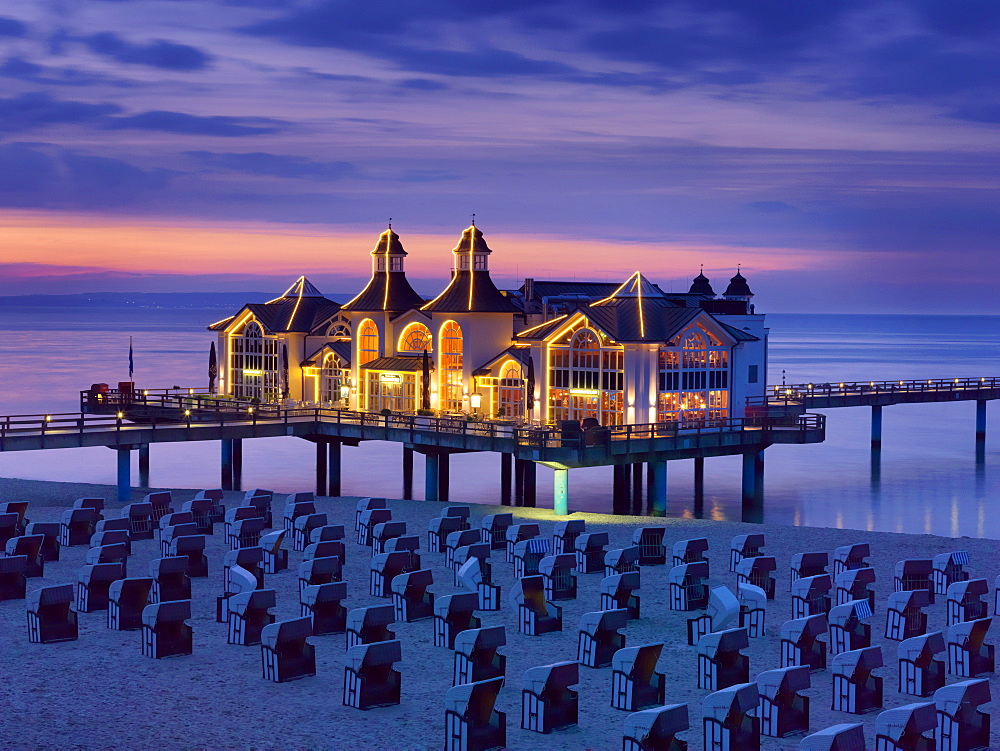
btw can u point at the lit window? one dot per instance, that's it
(367, 342)
(451, 367)
(415, 338)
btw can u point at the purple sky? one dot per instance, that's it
(846, 152)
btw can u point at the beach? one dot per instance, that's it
(101, 692)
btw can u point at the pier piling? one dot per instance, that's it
(431, 482)
(753, 479)
(620, 489)
(124, 474)
(227, 464)
(876, 427)
(699, 477)
(560, 504)
(333, 468)
(407, 473)
(237, 464)
(980, 430)
(144, 465)
(321, 470)
(530, 477)
(658, 488)
(637, 488)
(505, 473)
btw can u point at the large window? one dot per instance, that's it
(415, 338)
(510, 391)
(253, 364)
(367, 342)
(332, 376)
(586, 378)
(451, 367)
(694, 379)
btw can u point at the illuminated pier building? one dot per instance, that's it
(619, 353)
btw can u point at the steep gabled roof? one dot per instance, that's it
(341, 348)
(470, 290)
(511, 353)
(636, 311)
(301, 308)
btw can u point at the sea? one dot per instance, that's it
(928, 479)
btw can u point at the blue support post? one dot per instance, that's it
(227, 464)
(407, 474)
(876, 427)
(444, 475)
(333, 468)
(237, 464)
(144, 465)
(321, 454)
(753, 478)
(980, 431)
(124, 474)
(431, 483)
(658, 488)
(560, 504)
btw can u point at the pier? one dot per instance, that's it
(795, 399)
(131, 422)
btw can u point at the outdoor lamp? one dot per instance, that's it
(476, 400)
(345, 392)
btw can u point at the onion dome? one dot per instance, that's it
(701, 286)
(738, 287)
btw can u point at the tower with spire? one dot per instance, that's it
(388, 289)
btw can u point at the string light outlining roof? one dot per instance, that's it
(471, 289)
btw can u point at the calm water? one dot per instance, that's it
(929, 481)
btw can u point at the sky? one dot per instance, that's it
(844, 153)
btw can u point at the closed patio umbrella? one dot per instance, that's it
(425, 385)
(213, 369)
(284, 368)
(531, 383)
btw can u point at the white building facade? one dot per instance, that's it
(552, 351)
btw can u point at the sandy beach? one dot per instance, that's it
(100, 692)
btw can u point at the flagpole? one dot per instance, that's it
(131, 365)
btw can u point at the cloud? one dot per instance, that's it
(24, 70)
(36, 109)
(379, 29)
(979, 112)
(104, 177)
(198, 125)
(156, 54)
(11, 27)
(274, 165)
(24, 169)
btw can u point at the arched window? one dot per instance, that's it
(339, 329)
(451, 367)
(415, 338)
(510, 391)
(694, 379)
(332, 376)
(586, 378)
(253, 363)
(367, 342)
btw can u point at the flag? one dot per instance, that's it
(131, 363)
(213, 369)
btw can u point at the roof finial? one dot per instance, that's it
(390, 222)
(473, 219)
